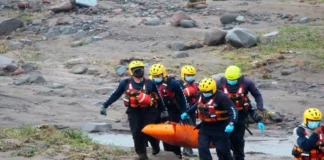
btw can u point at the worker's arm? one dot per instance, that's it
(228, 105)
(255, 93)
(192, 109)
(180, 97)
(306, 144)
(117, 93)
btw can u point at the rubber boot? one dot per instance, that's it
(155, 151)
(188, 152)
(142, 157)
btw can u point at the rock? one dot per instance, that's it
(18, 71)
(76, 43)
(68, 30)
(20, 81)
(76, 61)
(15, 45)
(36, 22)
(120, 71)
(177, 45)
(65, 6)
(240, 37)
(80, 69)
(285, 15)
(218, 76)
(96, 127)
(23, 5)
(53, 32)
(177, 17)
(80, 34)
(275, 116)
(187, 23)
(117, 11)
(5, 61)
(104, 91)
(37, 79)
(86, 27)
(26, 151)
(57, 85)
(42, 145)
(92, 71)
(214, 36)
(87, 41)
(228, 18)
(96, 38)
(10, 68)
(180, 54)
(201, 6)
(28, 67)
(240, 19)
(274, 33)
(254, 55)
(193, 46)
(26, 41)
(303, 20)
(10, 25)
(88, 3)
(153, 22)
(313, 85)
(286, 72)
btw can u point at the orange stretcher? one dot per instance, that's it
(178, 134)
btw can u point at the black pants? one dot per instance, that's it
(174, 116)
(222, 145)
(138, 119)
(237, 141)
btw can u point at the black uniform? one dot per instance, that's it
(139, 117)
(237, 136)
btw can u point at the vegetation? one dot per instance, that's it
(303, 39)
(45, 139)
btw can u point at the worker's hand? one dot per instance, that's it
(103, 111)
(184, 116)
(318, 130)
(229, 128)
(261, 126)
(164, 115)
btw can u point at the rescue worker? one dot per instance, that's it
(308, 137)
(218, 116)
(143, 104)
(237, 87)
(190, 90)
(173, 98)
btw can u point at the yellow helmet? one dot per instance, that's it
(134, 64)
(312, 114)
(233, 73)
(158, 69)
(207, 85)
(187, 69)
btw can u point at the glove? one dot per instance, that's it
(103, 111)
(164, 115)
(184, 116)
(229, 128)
(261, 126)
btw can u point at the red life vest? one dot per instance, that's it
(191, 92)
(137, 98)
(239, 99)
(166, 95)
(208, 112)
(313, 154)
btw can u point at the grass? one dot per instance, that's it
(304, 39)
(3, 48)
(80, 145)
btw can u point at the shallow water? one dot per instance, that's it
(266, 145)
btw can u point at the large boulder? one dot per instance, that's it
(214, 36)
(228, 18)
(96, 127)
(177, 17)
(241, 37)
(10, 25)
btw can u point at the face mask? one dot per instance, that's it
(234, 82)
(158, 80)
(138, 72)
(207, 95)
(313, 125)
(190, 79)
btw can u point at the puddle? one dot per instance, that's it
(255, 144)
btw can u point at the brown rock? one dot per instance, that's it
(18, 71)
(66, 6)
(46, 1)
(177, 17)
(23, 5)
(117, 11)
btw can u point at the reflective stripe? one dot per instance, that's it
(208, 112)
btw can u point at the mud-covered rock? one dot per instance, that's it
(228, 18)
(28, 67)
(185, 23)
(177, 45)
(10, 25)
(214, 36)
(241, 37)
(153, 21)
(20, 81)
(79, 69)
(37, 79)
(177, 17)
(96, 127)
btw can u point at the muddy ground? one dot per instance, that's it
(78, 98)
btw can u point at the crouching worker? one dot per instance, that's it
(143, 104)
(173, 97)
(218, 115)
(190, 90)
(308, 137)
